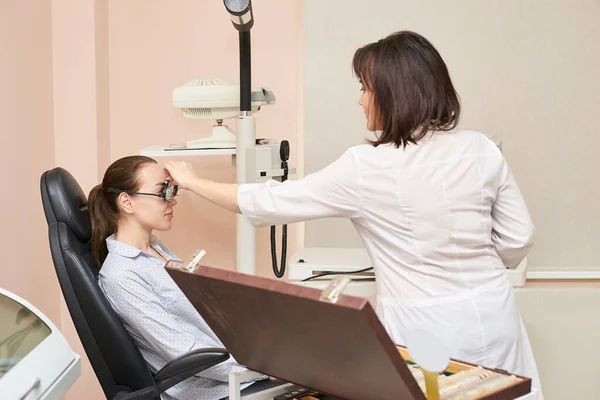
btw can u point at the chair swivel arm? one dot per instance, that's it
(178, 370)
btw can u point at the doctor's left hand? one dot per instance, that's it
(182, 173)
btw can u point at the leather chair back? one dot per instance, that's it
(117, 362)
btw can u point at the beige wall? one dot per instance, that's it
(562, 324)
(27, 143)
(81, 137)
(527, 71)
(85, 82)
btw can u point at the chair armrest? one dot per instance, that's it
(191, 363)
(178, 370)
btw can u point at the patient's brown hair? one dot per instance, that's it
(123, 174)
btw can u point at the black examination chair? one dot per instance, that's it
(117, 363)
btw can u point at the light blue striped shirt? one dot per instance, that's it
(160, 318)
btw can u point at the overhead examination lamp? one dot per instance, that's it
(218, 99)
(213, 98)
(241, 14)
(243, 19)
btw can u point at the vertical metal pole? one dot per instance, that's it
(245, 72)
(245, 137)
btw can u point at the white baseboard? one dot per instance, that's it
(559, 273)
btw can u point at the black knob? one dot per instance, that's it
(284, 150)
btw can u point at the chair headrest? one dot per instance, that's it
(64, 201)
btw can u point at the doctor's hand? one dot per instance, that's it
(182, 173)
(221, 194)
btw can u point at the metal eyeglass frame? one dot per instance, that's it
(169, 192)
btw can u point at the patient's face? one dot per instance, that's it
(153, 212)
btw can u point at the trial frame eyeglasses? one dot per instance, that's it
(167, 194)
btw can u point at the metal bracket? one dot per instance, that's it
(334, 290)
(193, 263)
(235, 383)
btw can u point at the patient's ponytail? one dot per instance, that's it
(104, 215)
(122, 175)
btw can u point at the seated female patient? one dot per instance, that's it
(125, 209)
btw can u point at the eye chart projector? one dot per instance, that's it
(214, 98)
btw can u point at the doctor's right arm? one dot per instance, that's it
(333, 191)
(512, 229)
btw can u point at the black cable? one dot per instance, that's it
(284, 154)
(327, 273)
(279, 272)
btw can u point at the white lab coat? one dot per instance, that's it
(440, 221)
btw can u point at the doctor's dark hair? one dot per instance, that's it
(411, 89)
(103, 207)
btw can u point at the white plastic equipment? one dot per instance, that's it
(214, 98)
(311, 261)
(36, 362)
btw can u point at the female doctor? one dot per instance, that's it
(438, 210)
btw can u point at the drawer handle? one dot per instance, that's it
(36, 384)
